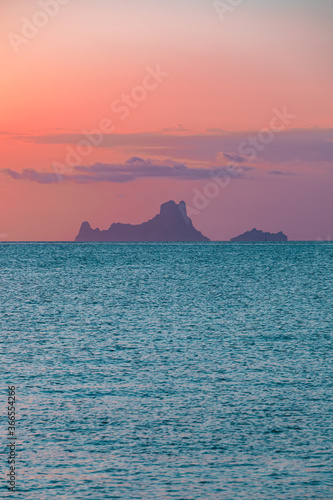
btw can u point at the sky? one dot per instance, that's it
(110, 108)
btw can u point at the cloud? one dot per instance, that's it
(132, 169)
(289, 146)
(235, 158)
(5, 132)
(216, 130)
(179, 127)
(29, 174)
(279, 172)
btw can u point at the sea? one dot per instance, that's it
(176, 371)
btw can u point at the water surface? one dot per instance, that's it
(169, 371)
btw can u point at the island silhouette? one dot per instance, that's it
(258, 235)
(171, 224)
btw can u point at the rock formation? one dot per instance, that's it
(258, 235)
(171, 224)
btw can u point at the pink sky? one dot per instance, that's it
(222, 81)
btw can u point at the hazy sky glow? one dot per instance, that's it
(186, 92)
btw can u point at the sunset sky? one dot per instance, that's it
(227, 108)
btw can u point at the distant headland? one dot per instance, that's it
(258, 235)
(171, 224)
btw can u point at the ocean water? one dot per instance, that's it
(168, 371)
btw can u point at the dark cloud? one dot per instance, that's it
(299, 145)
(29, 174)
(134, 168)
(235, 158)
(279, 172)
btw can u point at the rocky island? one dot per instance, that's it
(171, 224)
(258, 235)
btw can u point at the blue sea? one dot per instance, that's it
(168, 371)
